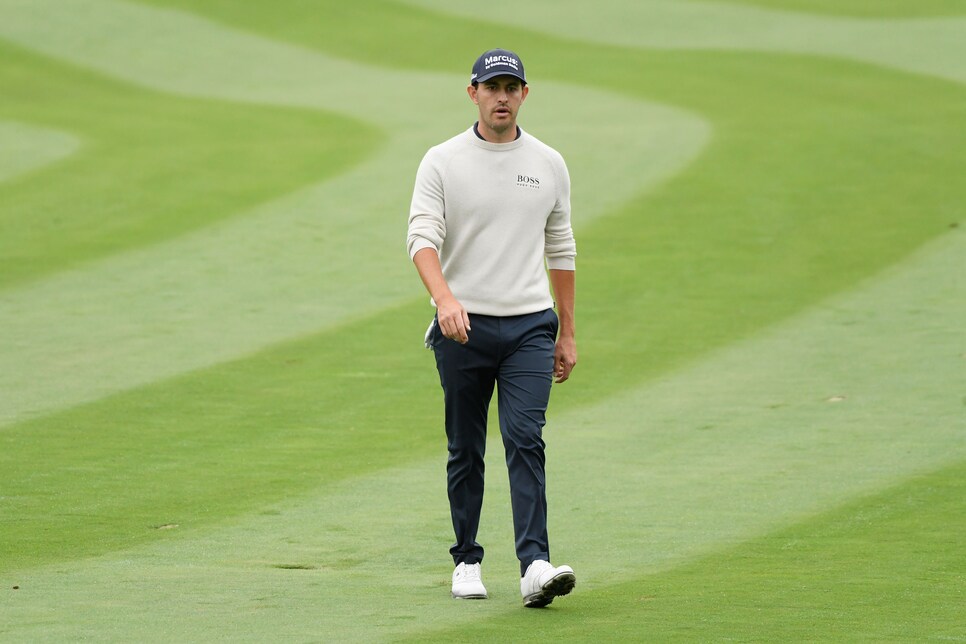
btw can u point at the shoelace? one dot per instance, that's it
(471, 573)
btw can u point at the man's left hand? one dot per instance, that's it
(564, 358)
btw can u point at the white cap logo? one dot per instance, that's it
(509, 61)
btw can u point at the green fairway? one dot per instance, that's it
(217, 420)
(863, 8)
(148, 167)
(814, 580)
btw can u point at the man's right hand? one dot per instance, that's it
(454, 321)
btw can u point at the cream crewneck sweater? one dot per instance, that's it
(493, 212)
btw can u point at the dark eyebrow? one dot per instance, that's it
(493, 83)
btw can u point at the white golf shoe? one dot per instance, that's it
(467, 582)
(542, 582)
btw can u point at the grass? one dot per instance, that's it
(276, 485)
(888, 567)
(862, 8)
(152, 167)
(213, 444)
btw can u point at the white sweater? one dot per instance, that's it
(493, 211)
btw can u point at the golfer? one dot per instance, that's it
(490, 218)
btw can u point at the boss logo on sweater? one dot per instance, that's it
(528, 182)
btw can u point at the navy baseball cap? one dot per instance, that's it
(497, 62)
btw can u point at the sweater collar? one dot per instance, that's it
(487, 145)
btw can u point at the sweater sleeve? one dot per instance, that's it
(427, 225)
(559, 245)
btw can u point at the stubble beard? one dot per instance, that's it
(501, 127)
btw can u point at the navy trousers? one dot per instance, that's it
(515, 354)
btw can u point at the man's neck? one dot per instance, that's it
(495, 139)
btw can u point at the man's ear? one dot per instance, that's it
(471, 90)
(526, 90)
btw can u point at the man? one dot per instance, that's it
(490, 207)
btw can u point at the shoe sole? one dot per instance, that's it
(455, 596)
(560, 585)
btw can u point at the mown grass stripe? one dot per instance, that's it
(160, 167)
(862, 8)
(930, 46)
(25, 148)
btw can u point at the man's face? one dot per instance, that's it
(499, 100)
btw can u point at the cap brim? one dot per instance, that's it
(502, 72)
